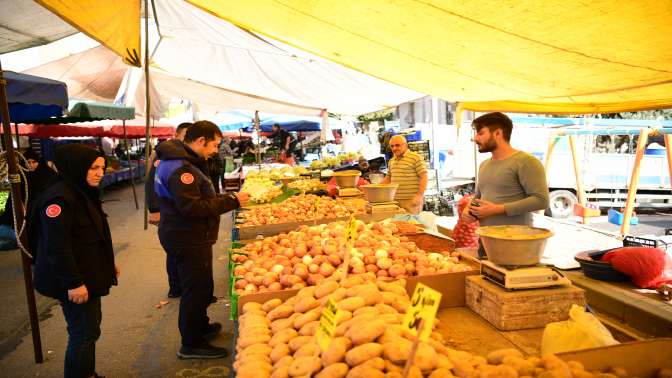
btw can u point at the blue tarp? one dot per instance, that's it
(242, 120)
(32, 97)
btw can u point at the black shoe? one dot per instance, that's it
(205, 351)
(173, 295)
(212, 330)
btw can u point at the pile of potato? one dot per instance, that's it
(307, 256)
(276, 339)
(301, 208)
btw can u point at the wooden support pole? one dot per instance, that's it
(17, 201)
(552, 141)
(580, 193)
(130, 164)
(668, 147)
(634, 181)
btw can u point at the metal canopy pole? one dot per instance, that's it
(668, 147)
(147, 109)
(130, 165)
(17, 199)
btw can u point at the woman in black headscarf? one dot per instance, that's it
(38, 178)
(74, 260)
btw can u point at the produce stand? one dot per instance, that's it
(450, 284)
(252, 232)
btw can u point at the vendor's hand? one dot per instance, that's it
(486, 209)
(154, 218)
(117, 271)
(242, 197)
(417, 200)
(78, 295)
(467, 217)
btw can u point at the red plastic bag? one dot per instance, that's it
(647, 267)
(463, 233)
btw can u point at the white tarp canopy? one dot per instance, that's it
(202, 47)
(220, 67)
(25, 24)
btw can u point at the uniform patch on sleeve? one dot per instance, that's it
(156, 163)
(53, 211)
(187, 178)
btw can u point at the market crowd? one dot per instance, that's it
(70, 236)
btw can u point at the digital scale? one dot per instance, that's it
(532, 277)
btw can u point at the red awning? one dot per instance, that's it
(54, 131)
(136, 132)
(48, 131)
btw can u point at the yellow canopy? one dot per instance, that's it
(115, 24)
(568, 56)
(553, 56)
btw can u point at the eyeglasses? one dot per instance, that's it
(396, 145)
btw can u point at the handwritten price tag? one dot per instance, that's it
(327, 327)
(351, 229)
(424, 304)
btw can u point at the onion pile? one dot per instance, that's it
(261, 189)
(301, 208)
(307, 256)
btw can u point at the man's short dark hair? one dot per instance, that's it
(276, 125)
(183, 125)
(205, 129)
(494, 121)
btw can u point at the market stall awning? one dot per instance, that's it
(57, 131)
(31, 97)
(94, 74)
(138, 132)
(25, 24)
(89, 112)
(115, 24)
(529, 56)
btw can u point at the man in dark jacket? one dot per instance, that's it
(190, 211)
(174, 288)
(74, 259)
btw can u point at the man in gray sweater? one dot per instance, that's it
(511, 184)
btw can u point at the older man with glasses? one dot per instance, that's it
(407, 169)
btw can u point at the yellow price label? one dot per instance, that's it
(351, 228)
(424, 304)
(327, 327)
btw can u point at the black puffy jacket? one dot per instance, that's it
(190, 207)
(72, 243)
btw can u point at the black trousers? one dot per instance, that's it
(174, 286)
(83, 330)
(194, 270)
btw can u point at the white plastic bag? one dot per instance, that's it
(581, 331)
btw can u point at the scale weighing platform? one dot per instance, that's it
(349, 192)
(382, 207)
(532, 277)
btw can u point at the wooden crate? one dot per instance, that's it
(521, 309)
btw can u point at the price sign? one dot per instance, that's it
(316, 204)
(351, 228)
(327, 327)
(424, 304)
